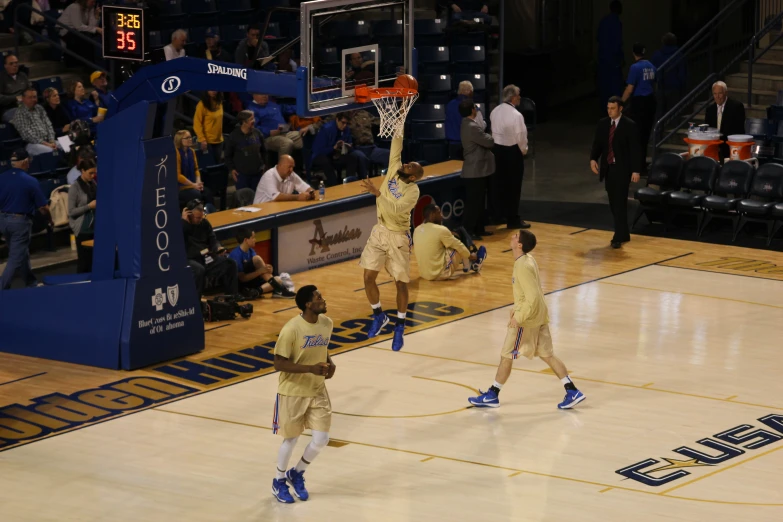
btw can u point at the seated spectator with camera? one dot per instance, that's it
(206, 257)
(255, 276)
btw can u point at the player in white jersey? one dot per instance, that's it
(302, 358)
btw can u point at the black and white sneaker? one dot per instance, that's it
(285, 294)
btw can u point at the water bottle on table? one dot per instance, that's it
(321, 191)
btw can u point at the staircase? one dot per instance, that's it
(38, 58)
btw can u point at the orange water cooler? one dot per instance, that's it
(704, 143)
(740, 146)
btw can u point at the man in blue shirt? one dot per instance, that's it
(270, 120)
(641, 91)
(333, 151)
(20, 199)
(255, 276)
(101, 92)
(610, 55)
(454, 120)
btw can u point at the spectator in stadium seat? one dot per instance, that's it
(81, 212)
(56, 111)
(81, 107)
(212, 49)
(245, 152)
(190, 185)
(364, 140)
(20, 199)
(176, 49)
(78, 155)
(280, 182)
(255, 276)
(199, 237)
(479, 164)
(251, 48)
(271, 122)
(81, 17)
(675, 78)
(100, 96)
(33, 125)
(333, 150)
(208, 124)
(454, 120)
(470, 10)
(285, 61)
(12, 85)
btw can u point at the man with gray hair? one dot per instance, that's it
(510, 135)
(454, 120)
(176, 49)
(726, 115)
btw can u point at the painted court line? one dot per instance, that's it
(22, 378)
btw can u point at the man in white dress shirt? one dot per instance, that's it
(280, 182)
(510, 135)
(176, 49)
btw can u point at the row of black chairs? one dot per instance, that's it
(737, 191)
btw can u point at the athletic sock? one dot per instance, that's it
(376, 309)
(496, 387)
(280, 474)
(568, 383)
(401, 318)
(301, 465)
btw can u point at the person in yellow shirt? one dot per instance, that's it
(439, 252)
(528, 328)
(208, 124)
(389, 244)
(302, 358)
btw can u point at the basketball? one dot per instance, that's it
(406, 81)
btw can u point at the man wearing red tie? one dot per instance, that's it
(616, 146)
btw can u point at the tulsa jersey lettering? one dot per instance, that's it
(311, 341)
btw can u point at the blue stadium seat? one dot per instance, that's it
(171, 9)
(269, 4)
(430, 152)
(273, 29)
(44, 83)
(200, 7)
(348, 33)
(45, 164)
(422, 112)
(158, 39)
(434, 88)
(428, 131)
(434, 54)
(294, 28)
(429, 32)
(236, 6)
(387, 29)
(233, 33)
(468, 54)
(329, 55)
(49, 184)
(7, 132)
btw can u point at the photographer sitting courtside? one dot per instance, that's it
(206, 257)
(255, 276)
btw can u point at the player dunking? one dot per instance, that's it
(303, 361)
(528, 328)
(389, 244)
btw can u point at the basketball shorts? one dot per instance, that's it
(389, 250)
(452, 263)
(295, 414)
(530, 341)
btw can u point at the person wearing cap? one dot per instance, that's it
(101, 93)
(245, 152)
(12, 85)
(206, 257)
(20, 199)
(213, 50)
(33, 125)
(641, 91)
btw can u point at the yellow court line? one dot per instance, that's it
(514, 474)
(721, 470)
(605, 490)
(692, 294)
(493, 466)
(428, 458)
(648, 384)
(732, 397)
(583, 378)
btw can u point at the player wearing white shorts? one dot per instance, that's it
(528, 328)
(389, 244)
(302, 358)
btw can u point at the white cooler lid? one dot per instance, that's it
(738, 138)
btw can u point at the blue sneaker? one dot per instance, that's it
(487, 399)
(572, 398)
(280, 491)
(296, 478)
(481, 256)
(398, 341)
(378, 322)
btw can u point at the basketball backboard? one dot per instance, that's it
(353, 42)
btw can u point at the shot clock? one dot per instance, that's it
(123, 33)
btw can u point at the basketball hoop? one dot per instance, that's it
(393, 104)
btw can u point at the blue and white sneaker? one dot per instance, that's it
(481, 256)
(398, 340)
(296, 479)
(572, 398)
(487, 399)
(378, 322)
(280, 491)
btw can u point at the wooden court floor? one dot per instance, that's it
(677, 346)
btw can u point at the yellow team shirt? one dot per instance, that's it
(208, 125)
(303, 343)
(433, 245)
(397, 198)
(529, 306)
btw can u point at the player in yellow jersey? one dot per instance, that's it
(389, 245)
(528, 328)
(302, 358)
(439, 252)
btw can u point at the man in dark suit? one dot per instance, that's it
(616, 145)
(479, 164)
(726, 115)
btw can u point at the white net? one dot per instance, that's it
(393, 110)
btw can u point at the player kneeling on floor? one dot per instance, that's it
(439, 252)
(528, 328)
(302, 358)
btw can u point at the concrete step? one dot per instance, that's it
(762, 82)
(764, 66)
(28, 54)
(758, 97)
(45, 69)
(774, 54)
(672, 147)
